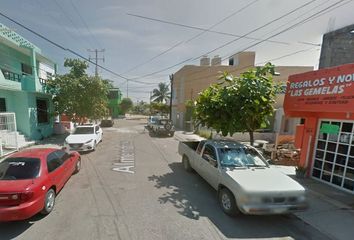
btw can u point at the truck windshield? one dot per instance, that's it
(240, 157)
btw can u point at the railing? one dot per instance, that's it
(11, 75)
(8, 133)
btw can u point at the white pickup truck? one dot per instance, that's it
(243, 178)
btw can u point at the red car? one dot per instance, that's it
(31, 179)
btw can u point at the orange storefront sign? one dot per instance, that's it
(325, 90)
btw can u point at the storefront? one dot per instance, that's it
(324, 99)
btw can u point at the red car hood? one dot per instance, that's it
(11, 186)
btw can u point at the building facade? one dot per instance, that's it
(190, 80)
(325, 100)
(24, 71)
(114, 98)
(337, 47)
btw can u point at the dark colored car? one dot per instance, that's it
(107, 123)
(163, 127)
(31, 179)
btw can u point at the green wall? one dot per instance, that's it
(11, 59)
(24, 105)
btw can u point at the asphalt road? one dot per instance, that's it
(134, 187)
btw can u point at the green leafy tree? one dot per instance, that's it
(126, 105)
(239, 104)
(141, 108)
(161, 108)
(78, 95)
(161, 94)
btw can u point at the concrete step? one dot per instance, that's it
(9, 139)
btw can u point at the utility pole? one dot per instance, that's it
(171, 92)
(96, 58)
(127, 88)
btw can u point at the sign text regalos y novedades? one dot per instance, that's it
(321, 86)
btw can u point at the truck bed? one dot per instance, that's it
(187, 148)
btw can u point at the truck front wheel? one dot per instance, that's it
(186, 164)
(227, 202)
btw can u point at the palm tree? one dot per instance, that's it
(161, 94)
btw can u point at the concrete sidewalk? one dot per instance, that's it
(331, 211)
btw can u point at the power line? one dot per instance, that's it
(84, 22)
(62, 25)
(258, 28)
(232, 41)
(238, 70)
(327, 9)
(68, 49)
(286, 23)
(192, 38)
(69, 18)
(198, 28)
(292, 26)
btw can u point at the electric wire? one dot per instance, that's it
(192, 38)
(70, 20)
(232, 41)
(85, 24)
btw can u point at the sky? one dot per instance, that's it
(147, 40)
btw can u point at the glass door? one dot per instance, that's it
(334, 153)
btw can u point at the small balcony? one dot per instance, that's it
(11, 75)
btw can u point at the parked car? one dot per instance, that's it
(31, 179)
(151, 121)
(84, 138)
(243, 178)
(163, 127)
(107, 123)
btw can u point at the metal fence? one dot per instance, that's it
(8, 134)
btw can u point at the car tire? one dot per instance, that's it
(78, 166)
(49, 202)
(227, 202)
(186, 164)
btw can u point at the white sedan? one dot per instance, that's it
(84, 138)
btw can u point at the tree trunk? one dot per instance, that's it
(251, 137)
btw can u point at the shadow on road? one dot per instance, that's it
(194, 198)
(11, 230)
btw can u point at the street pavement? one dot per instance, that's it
(134, 187)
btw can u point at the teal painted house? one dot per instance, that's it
(23, 72)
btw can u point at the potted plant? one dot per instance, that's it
(300, 171)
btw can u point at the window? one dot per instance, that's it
(84, 130)
(53, 161)
(200, 146)
(241, 157)
(62, 155)
(26, 69)
(2, 105)
(19, 168)
(97, 128)
(209, 153)
(42, 111)
(113, 94)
